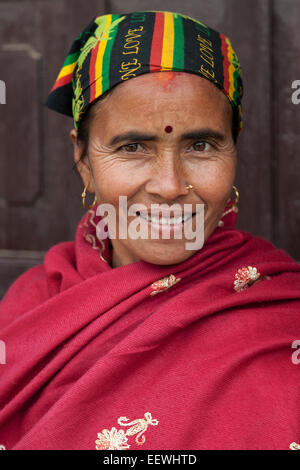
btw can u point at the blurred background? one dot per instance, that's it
(40, 193)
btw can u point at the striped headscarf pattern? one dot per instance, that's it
(114, 48)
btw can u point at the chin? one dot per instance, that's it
(165, 258)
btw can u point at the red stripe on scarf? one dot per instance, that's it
(157, 42)
(226, 64)
(62, 81)
(92, 71)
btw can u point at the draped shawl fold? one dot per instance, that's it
(152, 357)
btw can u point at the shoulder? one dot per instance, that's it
(27, 291)
(254, 246)
(37, 284)
(266, 250)
(259, 259)
(244, 256)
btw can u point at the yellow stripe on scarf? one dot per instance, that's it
(66, 70)
(99, 59)
(168, 42)
(230, 69)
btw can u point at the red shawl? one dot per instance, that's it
(196, 355)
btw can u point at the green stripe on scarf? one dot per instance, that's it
(178, 55)
(107, 54)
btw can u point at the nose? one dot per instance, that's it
(168, 178)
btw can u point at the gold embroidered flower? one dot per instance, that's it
(138, 426)
(245, 277)
(112, 440)
(164, 284)
(117, 440)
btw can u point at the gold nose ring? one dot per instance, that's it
(189, 186)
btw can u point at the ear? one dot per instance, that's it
(83, 166)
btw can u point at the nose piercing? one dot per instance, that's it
(189, 186)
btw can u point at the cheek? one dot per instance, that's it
(112, 179)
(214, 180)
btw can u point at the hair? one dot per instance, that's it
(84, 127)
(235, 124)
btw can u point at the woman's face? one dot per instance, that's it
(132, 153)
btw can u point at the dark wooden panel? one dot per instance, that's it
(215, 12)
(286, 69)
(20, 139)
(61, 204)
(50, 215)
(23, 138)
(251, 35)
(50, 212)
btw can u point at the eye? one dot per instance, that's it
(201, 146)
(130, 148)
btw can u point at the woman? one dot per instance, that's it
(125, 342)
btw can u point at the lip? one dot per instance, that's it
(165, 228)
(165, 213)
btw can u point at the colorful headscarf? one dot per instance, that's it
(115, 48)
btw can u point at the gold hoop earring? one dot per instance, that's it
(237, 196)
(233, 208)
(83, 196)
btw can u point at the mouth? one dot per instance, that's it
(163, 220)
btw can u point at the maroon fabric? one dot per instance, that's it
(194, 366)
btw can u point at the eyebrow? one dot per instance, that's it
(132, 137)
(200, 134)
(204, 134)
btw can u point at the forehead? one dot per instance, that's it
(160, 96)
(168, 84)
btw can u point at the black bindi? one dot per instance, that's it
(168, 129)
